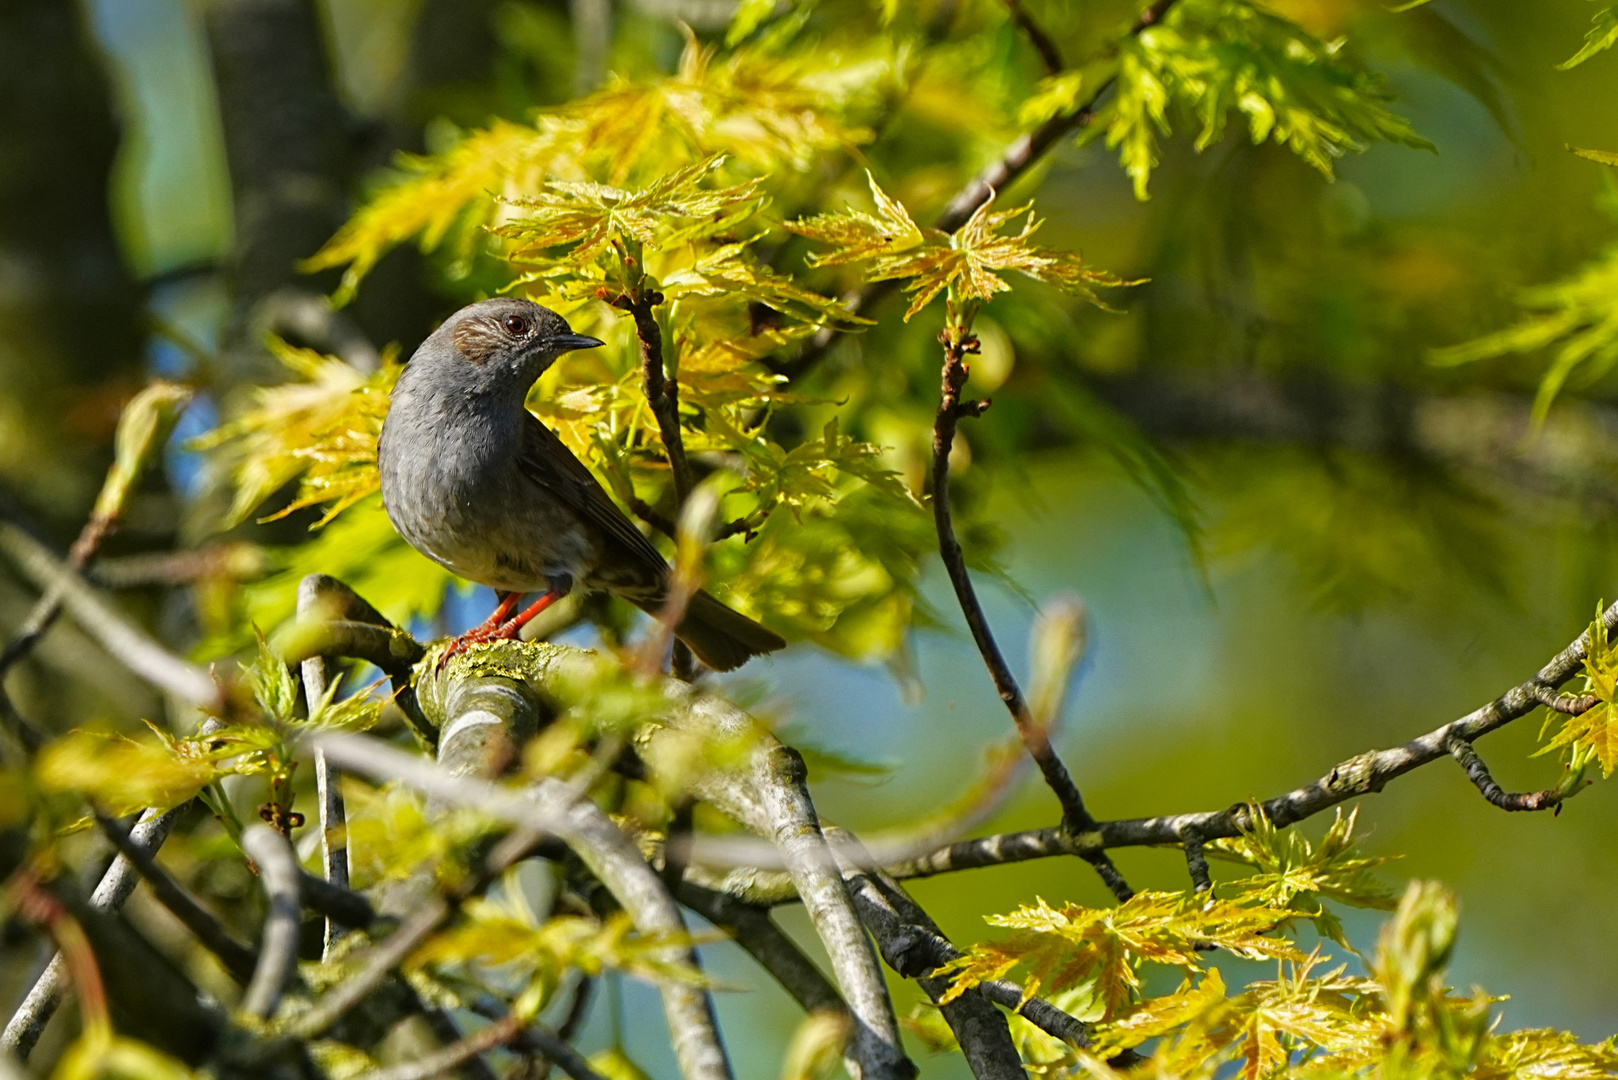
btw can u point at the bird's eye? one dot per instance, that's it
(516, 325)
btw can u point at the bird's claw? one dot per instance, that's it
(475, 636)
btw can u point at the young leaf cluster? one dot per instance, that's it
(1210, 58)
(968, 262)
(765, 110)
(1314, 1023)
(1592, 735)
(120, 775)
(1298, 874)
(320, 430)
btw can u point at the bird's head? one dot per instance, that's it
(507, 342)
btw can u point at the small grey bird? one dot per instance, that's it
(472, 480)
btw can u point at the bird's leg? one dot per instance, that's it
(561, 585)
(489, 628)
(508, 604)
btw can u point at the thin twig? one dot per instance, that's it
(133, 647)
(1362, 774)
(1018, 158)
(343, 906)
(1049, 54)
(958, 342)
(278, 951)
(328, 787)
(543, 1042)
(1196, 863)
(25, 1026)
(381, 959)
(1478, 773)
(538, 1039)
(1571, 704)
(662, 392)
(236, 958)
(440, 1062)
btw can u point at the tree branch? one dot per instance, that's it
(25, 1026)
(1362, 774)
(236, 958)
(1049, 54)
(328, 787)
(662, 392)
(1478, 773)
(958, 342)
(502, 1031)
(1018, 158)
(752, 928)
(278, 951)
(130, 645)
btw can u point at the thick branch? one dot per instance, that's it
(981, 1031)
(752, 928)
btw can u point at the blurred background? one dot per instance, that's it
(1357, 544)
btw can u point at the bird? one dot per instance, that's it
(475, 482)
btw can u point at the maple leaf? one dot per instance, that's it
(967, 262)
(322, 428)
(588, 218)
(1210, 58)
(1073, 945)
(1593, 733)
(1295, 873)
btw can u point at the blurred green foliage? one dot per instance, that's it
(1292, 293)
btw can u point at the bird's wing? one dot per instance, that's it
(546, 461)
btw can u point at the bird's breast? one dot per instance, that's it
(457, 499)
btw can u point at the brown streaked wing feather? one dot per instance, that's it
(547, 461)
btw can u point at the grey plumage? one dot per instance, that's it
(476, 483)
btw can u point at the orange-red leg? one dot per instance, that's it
(503, 625)
(486, 630)
(527, 615)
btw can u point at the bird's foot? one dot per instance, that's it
(502, 625)
(505, 631)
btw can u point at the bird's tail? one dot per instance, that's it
(722, 638)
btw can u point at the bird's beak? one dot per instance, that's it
(569, 342)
